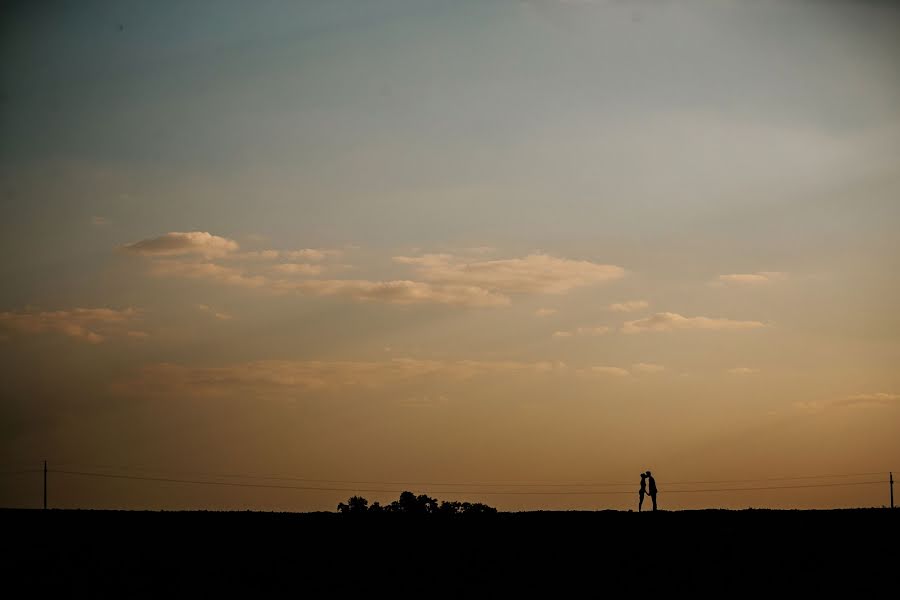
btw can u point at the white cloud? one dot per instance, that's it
(666, 321)
(179, 243)
(742, 371)
(545, 312)
(91, 325)
(760, 277)
(629, 306)
(532, 274)
(647, 368)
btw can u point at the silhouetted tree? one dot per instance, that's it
(410, 504)
(356, 504)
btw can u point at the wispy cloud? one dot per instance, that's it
(607, 371)
(582, 331)
(758, 278)
(876, 399)
(545, 312)
(286, 377)
(869, 400)
(207, 271)
(179, 243)
(742, 371)
(222, 316)
(304, 254)
(93, 325)
(647, 368)
(448, 279)
(666, 321)
(629, 306)
(531, 274)
(397, 292)
(297, 269)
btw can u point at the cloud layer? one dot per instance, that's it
(443, 278)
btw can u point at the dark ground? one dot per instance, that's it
(562, 553)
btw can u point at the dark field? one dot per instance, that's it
(568, 553)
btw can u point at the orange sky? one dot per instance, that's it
(456, 248)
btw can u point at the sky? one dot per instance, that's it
(462, 248)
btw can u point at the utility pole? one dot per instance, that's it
(45, 487)
(892, 489)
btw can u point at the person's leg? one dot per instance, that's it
(640, 502)
(653, 497)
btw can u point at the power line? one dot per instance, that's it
(472, 492)
(779, 487)
(513, 484)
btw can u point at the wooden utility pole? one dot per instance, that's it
(45, 486)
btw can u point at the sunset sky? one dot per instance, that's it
(398, 245)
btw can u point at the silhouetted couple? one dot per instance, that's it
(643, 491)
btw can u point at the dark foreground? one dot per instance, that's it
(561, 553)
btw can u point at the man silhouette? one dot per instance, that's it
(652, 490)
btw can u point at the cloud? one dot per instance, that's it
(742, 371)
(397, 292)
(630, 306)
(448, 279)
(179, 243)
(222, 316)
(666, 321)
(91, 325)
(305, 254)
(100, 221)
(207, 271)
(647, 368)
(545, 312)
(286, 377)
(532, 274)
(760, 277)
(583, 331)
(877, 399)
(297, 269)
(612, 371)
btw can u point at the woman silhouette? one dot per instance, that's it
(643, 491)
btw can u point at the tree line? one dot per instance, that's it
(410, 504)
